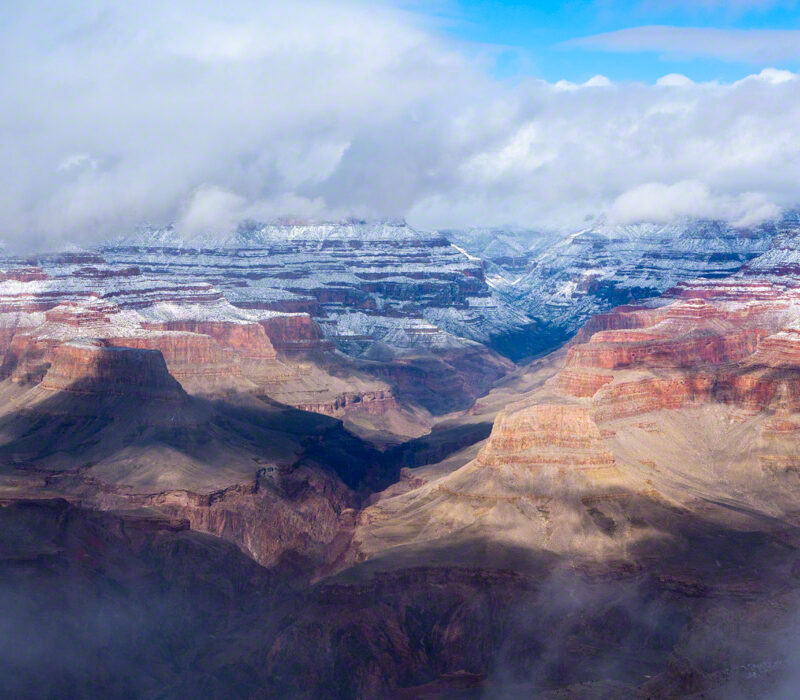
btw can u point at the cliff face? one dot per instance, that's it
(248, 339)
(210, 349)
(725, 349)
(194, 359)
(565, 436)
(91, 369)
(295, 332)
(286, 514)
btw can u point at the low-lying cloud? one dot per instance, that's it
(205, 114)
(659, 203)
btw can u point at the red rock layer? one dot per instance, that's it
(580, 382)
(262, 520)
(92, 369)
(27, 358)
(631, 398)
(295, 333)
(7, 334)
(781, 350)
(76, 316)
(188, 355)
(760, 388)
(548, 434)
(619, 349)
(623, 317)
(375, 403)
(248, 339)
(691, 350)
(733, 290)
(24, 274)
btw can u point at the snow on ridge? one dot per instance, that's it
(260, 234)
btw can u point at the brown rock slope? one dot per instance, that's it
(697, 400)
(111, 427)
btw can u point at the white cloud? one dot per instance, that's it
(660, 203)
(597, 81)
(77, 160)
(674, 80)
(774, 76)
(201, 114)
(211, 208)
(747, 45)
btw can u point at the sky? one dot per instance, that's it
(706, 39)
(450, 113)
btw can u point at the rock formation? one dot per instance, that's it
(94, 369)
(213, 428)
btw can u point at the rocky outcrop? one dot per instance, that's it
(683, 334)
(779, 351)
(621, 318)
(248, 339)
(295, 332)
(24, 274)
(564, 436)
(623, 349)
(582, 382)
(213, 355)
(722, 347)
(197, 361)
(374, 403)
(78, 316)
(92, 369)
(27, 358)
(626, 398)
(284, 514)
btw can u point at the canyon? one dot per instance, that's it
(299, 460)
(562, 281)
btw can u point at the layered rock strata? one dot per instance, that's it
(655, 407)
(93, 369)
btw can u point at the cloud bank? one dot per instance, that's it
(749, 45)
(204, 115)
